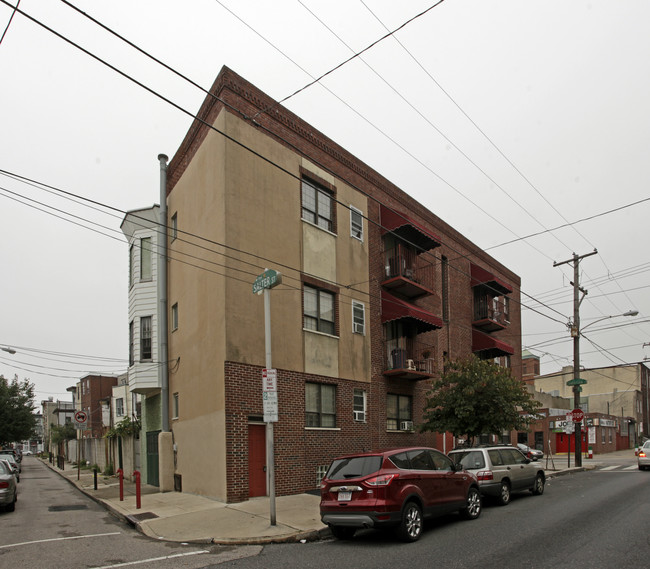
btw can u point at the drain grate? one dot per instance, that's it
(67, 508)
(143, 516)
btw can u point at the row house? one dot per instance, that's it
(377, 292)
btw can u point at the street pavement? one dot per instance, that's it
(189, 518)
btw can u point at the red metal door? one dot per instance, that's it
(256, 460)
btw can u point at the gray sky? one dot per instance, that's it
(505, 118)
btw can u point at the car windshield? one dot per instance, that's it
(353, 467)
(469, 459)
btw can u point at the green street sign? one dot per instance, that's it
(268, 279)
(576, 381)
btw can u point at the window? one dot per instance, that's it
(321, 471)
(317, 205)
(359, 405)
(131, 357)
(356, 223)
(398, 410)
(131, 264)
(358, 318)
(174, 319)
(445, 288)
(119, 407)
(320, 405)
(506, 308)
(145, 338)
(145, 259)
(175, 406)
(318, 310)
(174, 226)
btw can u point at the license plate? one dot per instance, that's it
(345, 496)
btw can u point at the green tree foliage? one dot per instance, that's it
(17, 419)
(474, 397)
(62, 433)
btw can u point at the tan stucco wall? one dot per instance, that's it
(229, 196)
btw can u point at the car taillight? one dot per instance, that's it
(485, 475)
(381, 480)
(4, 484)
(642, 454)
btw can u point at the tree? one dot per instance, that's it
(62, 433)
(17, 419)
(474, 397)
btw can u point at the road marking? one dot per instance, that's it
(633, 467)
(151, 560)
(610, 467)
(59, 539)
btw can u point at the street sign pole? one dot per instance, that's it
(263, 284)
(270, 451)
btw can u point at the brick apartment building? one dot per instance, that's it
(91, 390)
(377, 291)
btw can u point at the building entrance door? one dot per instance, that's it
(256, 460)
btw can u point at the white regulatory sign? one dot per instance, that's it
(269, 380)
(270, 401)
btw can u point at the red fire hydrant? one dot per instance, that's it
(138, 504)
(120, 474)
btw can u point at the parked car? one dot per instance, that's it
(395, 488)
(501, 470)
(529, 452)
(643, 457)
(15, 466)
(8, 487)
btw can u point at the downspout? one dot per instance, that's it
(163, 371)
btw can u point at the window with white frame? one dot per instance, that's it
(358, 317)
(145, 259)
(174, 318)
(131, 352)
(356, 223)
(317, 205)
(131, 265)
(175, 406)
(174, 226)
(119, 407)
(359, 405)
(320, 405)
(319, 312)
(145, 338)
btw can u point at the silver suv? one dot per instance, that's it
(501, 470)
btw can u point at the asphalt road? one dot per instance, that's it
(596, 520)
(55, 526)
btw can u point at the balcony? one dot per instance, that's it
(404, 358)
(490, 320)
(403, 275)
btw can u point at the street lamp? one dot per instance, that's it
(576, 331)
(9, 350)
(628, 313)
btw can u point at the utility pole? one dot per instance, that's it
(575, 332)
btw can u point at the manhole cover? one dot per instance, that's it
(67, 508)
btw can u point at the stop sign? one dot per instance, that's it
(577, 415)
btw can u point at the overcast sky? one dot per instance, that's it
(505, 118)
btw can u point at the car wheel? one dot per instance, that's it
(473, 509)
(410, 527)
(12, 507)
(341, 532)
(504, 495)
(538, 488)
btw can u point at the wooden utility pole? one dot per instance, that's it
(575, 333)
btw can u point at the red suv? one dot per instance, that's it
(399, 487)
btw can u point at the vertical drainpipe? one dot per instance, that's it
(162, 294)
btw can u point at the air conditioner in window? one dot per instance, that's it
(410, 364)
(359, 416)
(358, 328)
(406, 426)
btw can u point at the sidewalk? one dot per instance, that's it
(188, 518)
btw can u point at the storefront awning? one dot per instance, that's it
(483, 277)
(393, 308)
(485, 343)
(407, 229)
